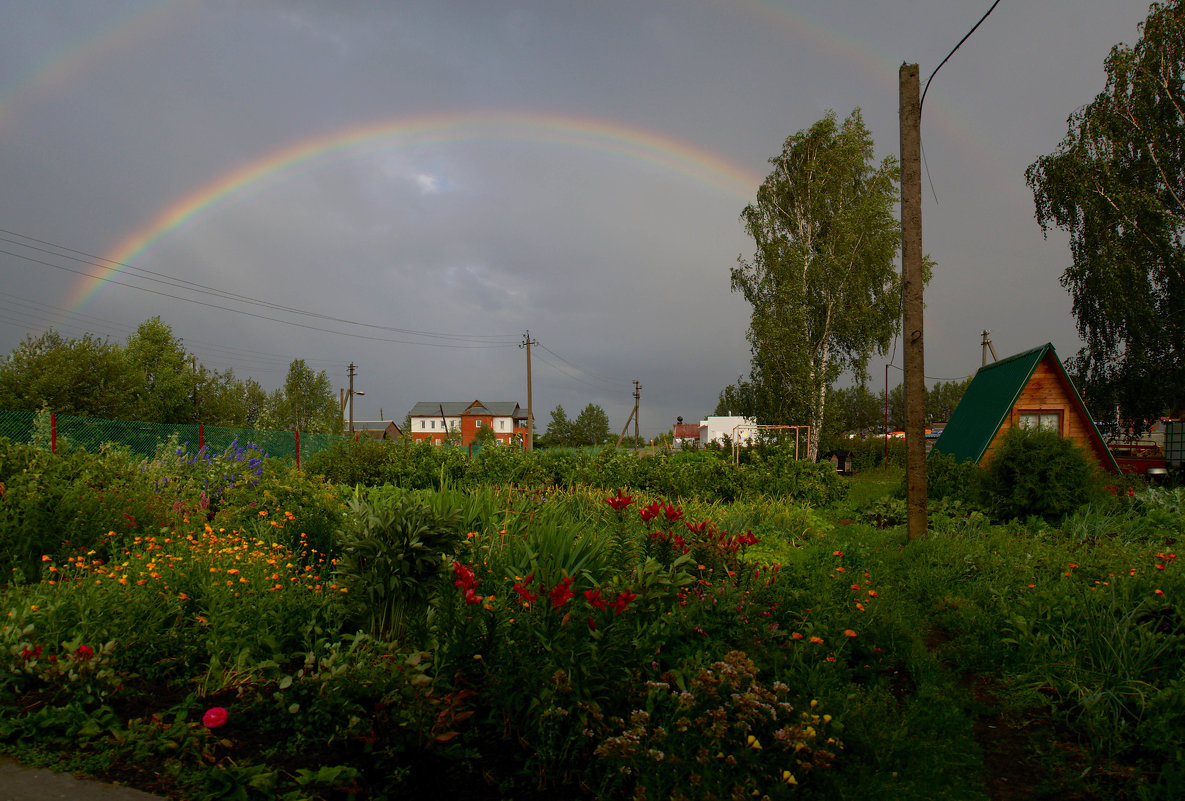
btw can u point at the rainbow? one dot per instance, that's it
(594, 134)
(81, 57)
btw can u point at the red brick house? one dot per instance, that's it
(433, 420)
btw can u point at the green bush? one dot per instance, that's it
(948, 479)
(1041, 474)
(392, 549)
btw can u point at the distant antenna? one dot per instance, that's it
(987, 346)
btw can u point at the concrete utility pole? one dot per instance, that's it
(347, 396)
(637, 401)
(911, 291)
(527, 343)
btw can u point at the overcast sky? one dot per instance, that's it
(411, 186)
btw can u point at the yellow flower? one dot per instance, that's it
(788, 777)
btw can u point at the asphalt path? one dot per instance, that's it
(19, 783)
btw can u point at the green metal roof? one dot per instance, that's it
(985, 405)
(989, 399)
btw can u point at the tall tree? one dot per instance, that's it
(305, 402)
(167, 380)
(821, 282)
(591, 426)
(1116, 183)
(559, 430)
(86, 376)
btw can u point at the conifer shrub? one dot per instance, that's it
(1041, 474)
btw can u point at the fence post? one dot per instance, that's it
(201, 437)
(298, 449)
(53, 433)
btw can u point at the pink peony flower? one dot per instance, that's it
(215, 716)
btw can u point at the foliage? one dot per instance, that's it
(559, 430)
(1116, 183)
(591, 427)
(580, 643)
(821, 283)
(305, 402)
(166, 383)
(150, 379)
(957, 481)
(685, 734)
(85, 376)
(1039, 473)
(391, 549)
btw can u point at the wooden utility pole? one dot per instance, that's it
(637, 401)
(911, 292)
(987, 345)
(633, 416)
(527, 343)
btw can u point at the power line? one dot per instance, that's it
(203, 289)
(259, 316)
(951, 53)
(612, 381)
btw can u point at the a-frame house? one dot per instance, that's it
(1030, 389)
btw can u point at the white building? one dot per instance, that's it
(716, 428)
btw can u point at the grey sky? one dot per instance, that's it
(572, 168)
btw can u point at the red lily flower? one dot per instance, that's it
(673, 513)
(621, 501)
(523, 592)
(623, 601)
(647, 513)
(561, 593)
(594, 598)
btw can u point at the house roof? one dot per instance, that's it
(458, 408)
(989, 399)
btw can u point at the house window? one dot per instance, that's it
(477, 424)
(423, 424)
(502, 424)
(434, 424)
(1041, 421)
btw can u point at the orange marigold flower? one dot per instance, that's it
(1160, 592)
(816, 640)
(849, 633)
(796, 635)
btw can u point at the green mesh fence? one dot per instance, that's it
(143, 439)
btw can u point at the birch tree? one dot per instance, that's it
(821, 281)
(1116, 183)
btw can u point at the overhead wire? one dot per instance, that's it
(173, 282)
(257, 316)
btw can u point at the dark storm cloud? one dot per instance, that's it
(111, 112)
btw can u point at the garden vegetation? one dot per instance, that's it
(400, 620)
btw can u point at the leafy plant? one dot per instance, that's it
(1039, 473)
(392, 548)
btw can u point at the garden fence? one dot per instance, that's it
(53, 431)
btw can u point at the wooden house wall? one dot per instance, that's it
(1047, 391)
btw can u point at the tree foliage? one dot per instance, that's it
(591, 426)
(1116, 183)
(165, 379)
(152, 379)
(305, 402)
(821, 282)
(86, 376)
(559, 430)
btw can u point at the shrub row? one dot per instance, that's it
(707, 475)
